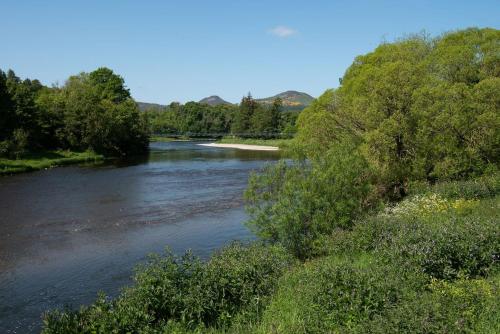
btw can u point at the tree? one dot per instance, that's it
(108, 85)
(276, 111)
(242, 121)
(6, 109)
(418, 109)
(299, 204)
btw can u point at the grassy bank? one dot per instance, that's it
(428, 264)
(281, 143)
(46, 159)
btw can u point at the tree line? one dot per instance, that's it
(91, 111)
(248, 119)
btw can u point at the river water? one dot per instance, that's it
(67, 233)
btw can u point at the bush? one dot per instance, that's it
(298, 204)
(370, 294)
(334, 295)
(482, 187)
(16, 146)
(464, 306)
(183, 293)
(444, 239)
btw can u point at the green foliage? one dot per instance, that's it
(463, 306)
(336, 295)
(407, 116)
(45, 159)
(103, 120)
(297, 204)
(192, 119)
(243, 118)
(444, 239)
(317, 124)
(420, 108)
(108, 85)
(180, 293)
(91, 111)
(424, 266)
(248, 120)
(482, 187)
(16, 146)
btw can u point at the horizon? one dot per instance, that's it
(189, 51)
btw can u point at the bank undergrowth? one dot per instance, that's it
(46, 159)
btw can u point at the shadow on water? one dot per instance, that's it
(67, 233)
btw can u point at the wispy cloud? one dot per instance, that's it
(282, 31)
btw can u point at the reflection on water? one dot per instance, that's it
(67, 233)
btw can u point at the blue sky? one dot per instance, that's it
(187, 50)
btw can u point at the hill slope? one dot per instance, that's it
(291, 98)
(213, 100)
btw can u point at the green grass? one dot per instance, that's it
(281, 143)
(45, 159)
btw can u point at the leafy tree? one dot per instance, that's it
(419, 108)
(91, 111)
(108, 85)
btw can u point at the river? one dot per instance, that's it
(67, 233)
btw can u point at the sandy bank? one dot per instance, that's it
(243, 147)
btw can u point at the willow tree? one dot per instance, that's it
(420, 108)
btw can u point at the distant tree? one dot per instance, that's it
(276, 112)
(243, 118)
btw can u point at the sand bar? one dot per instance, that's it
(243, 146)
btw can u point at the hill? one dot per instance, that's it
(291, 98)
(213, 100)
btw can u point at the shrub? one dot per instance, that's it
(298, 204)
(464, 306)
(183, 293)
(335, 295)
(16, 146)
(477, 188)
(442, 238)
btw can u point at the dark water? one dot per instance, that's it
(67, 233)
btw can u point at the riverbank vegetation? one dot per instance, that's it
(90, 112)
(385, 220)
(249, 119)
(46, 159)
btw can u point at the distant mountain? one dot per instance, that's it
(291, 98)
(213, 100)
(143, 106)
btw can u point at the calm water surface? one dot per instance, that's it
(68, 233)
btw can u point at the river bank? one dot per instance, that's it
(280, 143)
(242, 146)
(46, 159)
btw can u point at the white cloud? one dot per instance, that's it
(282, 31)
